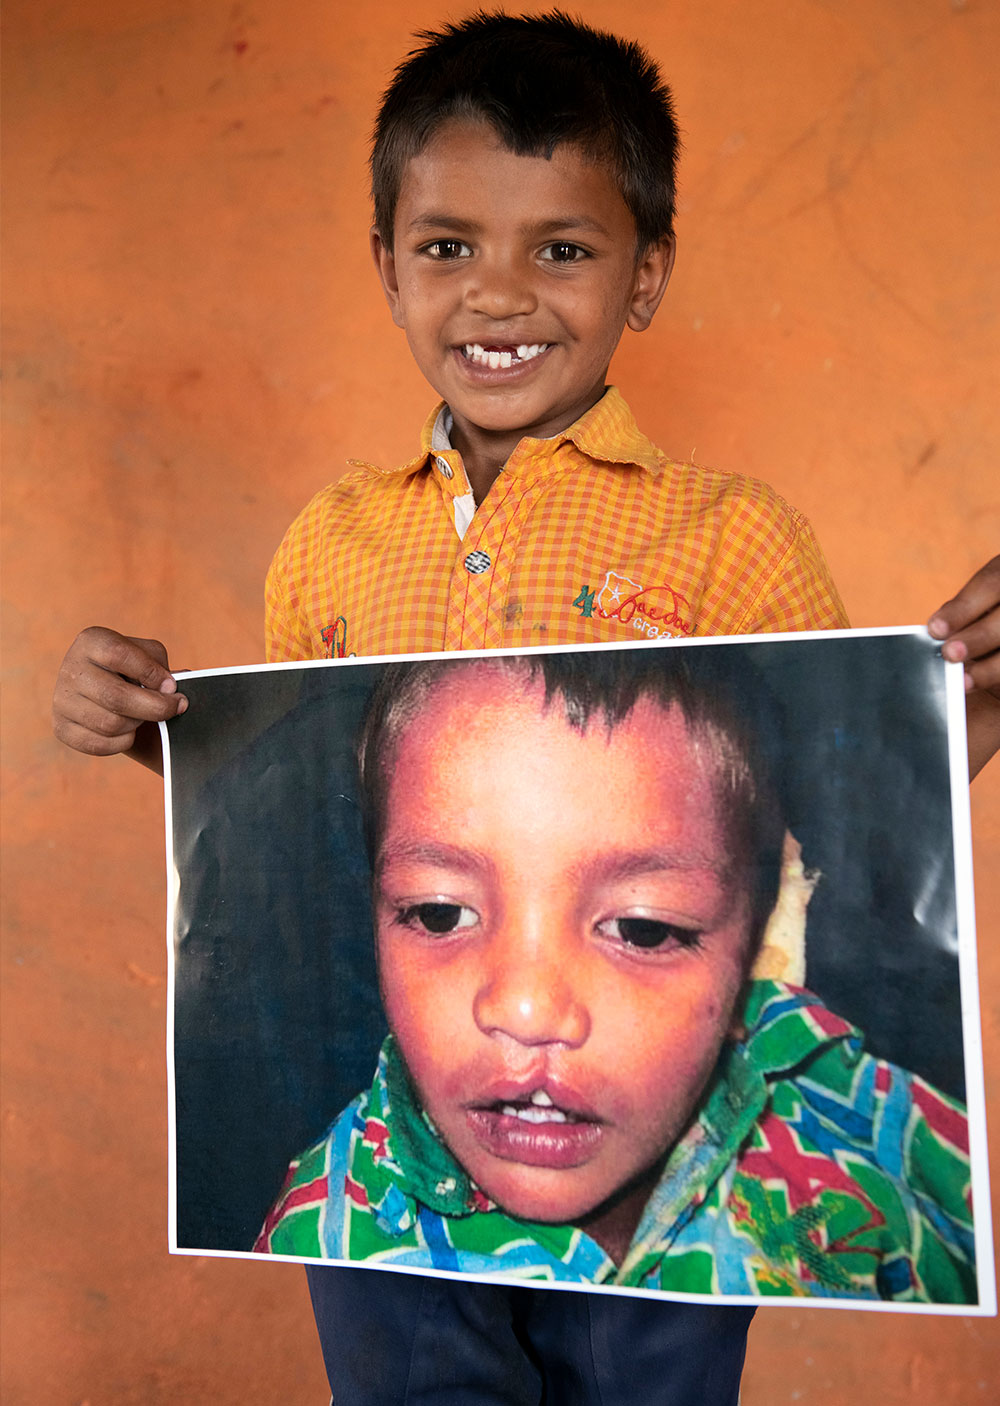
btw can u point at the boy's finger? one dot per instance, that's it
(103, 692)
(143, 661)
(977, 641)
(94, 744)
(979, 595)
(984, 675)
(109, 721)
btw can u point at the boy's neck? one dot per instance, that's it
(484, 455)
(484, 452)
(614, 1224)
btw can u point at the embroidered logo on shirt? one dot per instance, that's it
(335, 639)
(658, 612)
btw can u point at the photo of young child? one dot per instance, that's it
(602, 1066)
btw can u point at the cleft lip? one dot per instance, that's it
(546, 1096)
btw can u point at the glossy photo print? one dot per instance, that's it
(644, 968)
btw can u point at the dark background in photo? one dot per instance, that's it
(277, 1015)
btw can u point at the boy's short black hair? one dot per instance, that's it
(539, 81)
(729, 710)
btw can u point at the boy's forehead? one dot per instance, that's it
(486, 702)
(569, 186)
(494, 735)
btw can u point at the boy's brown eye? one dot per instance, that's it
(447, 249)
(437, 917)
(649, 933)
(564, 253)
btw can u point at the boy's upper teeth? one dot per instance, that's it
(497, 358)
(539, 1109)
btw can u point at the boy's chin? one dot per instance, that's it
(610, 1218)
(499, 413)
(547, 1204)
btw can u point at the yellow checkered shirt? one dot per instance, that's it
(590, 536)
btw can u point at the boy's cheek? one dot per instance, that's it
(423, 1007)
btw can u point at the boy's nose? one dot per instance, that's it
(500, 290)
(533, 1002)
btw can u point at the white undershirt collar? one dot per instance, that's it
(465, 503)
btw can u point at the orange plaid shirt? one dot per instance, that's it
(592, 535)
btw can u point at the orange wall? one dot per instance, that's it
(195, 343)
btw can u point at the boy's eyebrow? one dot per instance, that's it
(556, 225)
(444, 856)
(603, 868)
(629, 864)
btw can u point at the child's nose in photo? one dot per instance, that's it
(532, 1002)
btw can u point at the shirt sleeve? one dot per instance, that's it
(798, 593)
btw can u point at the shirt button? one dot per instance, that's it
(477, 563)
(445, 467)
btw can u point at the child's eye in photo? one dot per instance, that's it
(649, 934)
(436, 917)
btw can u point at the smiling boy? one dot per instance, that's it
(523, 180)
(514, 291)
(575, 857)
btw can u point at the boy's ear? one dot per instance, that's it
(385, 263)
(651, 278)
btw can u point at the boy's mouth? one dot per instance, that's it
(537, 1108)
(502, 358)
(533, 1129)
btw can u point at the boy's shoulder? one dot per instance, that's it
(604, 452)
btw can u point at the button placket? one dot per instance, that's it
(481, 576)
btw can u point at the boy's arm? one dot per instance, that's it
(111, 692)
(969, 626)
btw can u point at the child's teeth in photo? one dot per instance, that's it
(541, 1099)
(528, 1113)
(505, 359)
(493, 358)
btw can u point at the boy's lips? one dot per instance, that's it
(541, 1125)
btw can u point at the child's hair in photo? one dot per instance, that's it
(539, 81)
(731, 715)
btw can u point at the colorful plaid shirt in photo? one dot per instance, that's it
(812, 1169)
(593, 535)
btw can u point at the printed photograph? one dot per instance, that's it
(644, 968)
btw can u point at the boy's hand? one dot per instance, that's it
(110, 692)
(969, 627)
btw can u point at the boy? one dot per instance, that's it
(523, 175)
(584, 1082)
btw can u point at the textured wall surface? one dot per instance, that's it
(195, 342)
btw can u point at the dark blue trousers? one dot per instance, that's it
(413, 1340)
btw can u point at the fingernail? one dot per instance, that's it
(937, 627)
(955, 651)
(169, 685)
(969, 685)
(182, 705)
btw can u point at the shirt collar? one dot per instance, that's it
(607, 433)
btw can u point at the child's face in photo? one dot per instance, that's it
(562, 939)
(529, 259)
